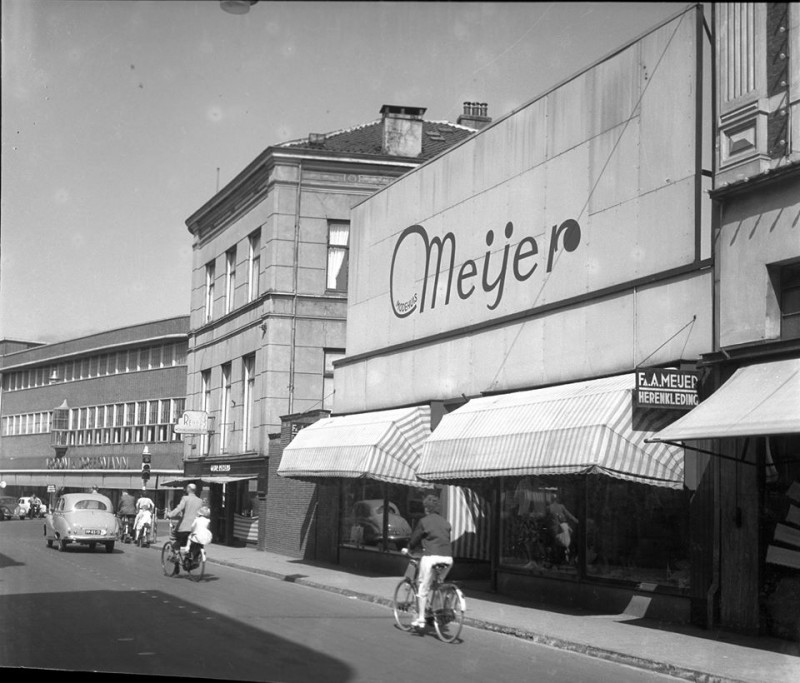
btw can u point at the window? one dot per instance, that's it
(248, 399)
(180, 353)
(164, 419)
(141, 413)
(254, 266)
(152, 417)
(327, 378)
(210, 275)
(230, 279)
(93, 366)
(130, 414)
(790, 301)
(224, 407)
(205, 404)
(338, 259)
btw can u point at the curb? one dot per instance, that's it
(539, 638)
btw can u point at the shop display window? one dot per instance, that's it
(636, 532)
(363, 522)
(539, 524)
(596, 526)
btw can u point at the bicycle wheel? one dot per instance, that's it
(448, 612)
(197, 570)
(168, 563)
(405, 604)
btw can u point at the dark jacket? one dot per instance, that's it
(433, 532)
(127, 505)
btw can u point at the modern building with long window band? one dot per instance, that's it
(79, 413)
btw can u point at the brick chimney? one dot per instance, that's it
(474, 115)
(402, 130)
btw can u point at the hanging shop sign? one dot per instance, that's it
(663, 388)
(193, 422)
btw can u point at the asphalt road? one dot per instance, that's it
(90, 611)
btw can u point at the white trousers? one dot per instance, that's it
(425, 578)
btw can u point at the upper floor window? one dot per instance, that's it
(230, 279)
(338, 256)
(210, 276)
(327, 378)
(248, 399)
(254, 265)
(789, 300)
(224, 407)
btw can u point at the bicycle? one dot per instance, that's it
(173, 558)
(446, 603)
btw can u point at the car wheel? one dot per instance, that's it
(49, 543)
(110, 547)
(62, 545)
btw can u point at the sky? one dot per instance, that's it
(121, 118)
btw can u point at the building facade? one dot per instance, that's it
(541, 294)
(269, 300)
(79, 413)
(747, 430)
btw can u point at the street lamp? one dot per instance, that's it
(237, 6)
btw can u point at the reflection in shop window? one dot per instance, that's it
(612, 528)
(373, 512)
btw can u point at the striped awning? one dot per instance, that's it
(383, 445)
(580, 428)
(758, 400)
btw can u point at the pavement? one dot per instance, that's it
(686, 652)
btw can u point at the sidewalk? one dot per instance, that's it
(686, 652)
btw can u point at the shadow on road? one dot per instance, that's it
(151, 633)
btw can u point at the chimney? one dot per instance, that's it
(402, 130)
(474, 115)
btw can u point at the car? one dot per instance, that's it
(24, 508)
(85, 518)
(8, 507)
(368, 516)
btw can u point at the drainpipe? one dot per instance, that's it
(292, 346)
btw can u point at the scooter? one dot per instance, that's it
(125, 529)
(35, 511)
(143, 539)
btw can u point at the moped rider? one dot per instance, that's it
(126, 511)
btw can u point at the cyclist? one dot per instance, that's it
(186, 510)
(433, 534)
(144, 515)
(126, 511)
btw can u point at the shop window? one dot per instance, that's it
(363, 523)
(539, 525)
(636, 532)
(779, 530)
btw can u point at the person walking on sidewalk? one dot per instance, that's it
(433, 534)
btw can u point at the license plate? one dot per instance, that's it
(92, 532)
